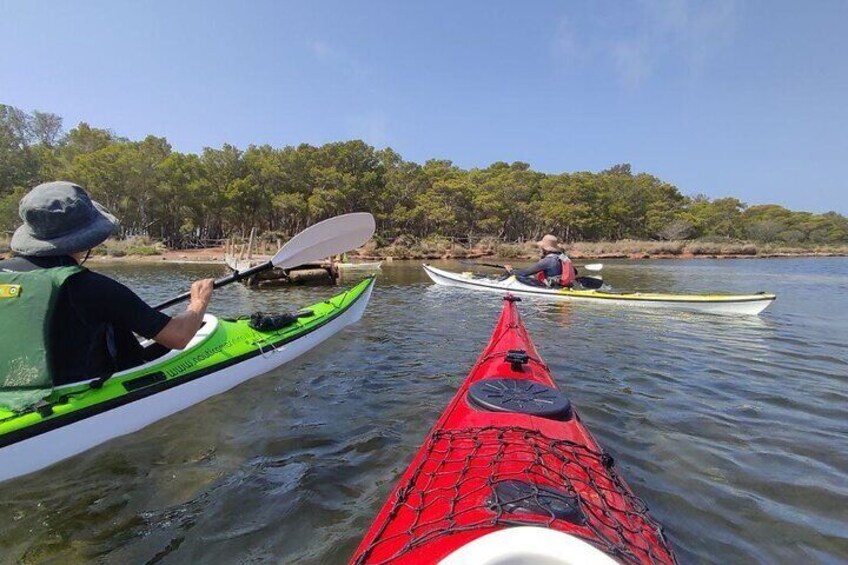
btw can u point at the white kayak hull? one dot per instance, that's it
(739, 304)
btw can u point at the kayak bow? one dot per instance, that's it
(745, 304)
(223, 354)
(509, 475)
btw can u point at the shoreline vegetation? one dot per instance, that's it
(144, 250)
(170, 203)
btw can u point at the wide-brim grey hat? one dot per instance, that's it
(60, 218)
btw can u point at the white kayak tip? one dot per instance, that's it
(528, 545)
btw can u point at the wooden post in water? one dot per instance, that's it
(250, 244)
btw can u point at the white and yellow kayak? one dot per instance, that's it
(744, 304)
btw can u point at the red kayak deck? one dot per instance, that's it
(510, 451)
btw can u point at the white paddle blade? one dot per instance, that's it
(593, 266)
(331, 237)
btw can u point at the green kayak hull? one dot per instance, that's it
(223, 354)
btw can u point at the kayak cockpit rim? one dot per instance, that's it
(210, 324)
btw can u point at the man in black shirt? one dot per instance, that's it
(93, 318)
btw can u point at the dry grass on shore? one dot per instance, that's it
(142, 246)
(441, 248)
(436, 247)
(137, 246)
(431, 248)
(634, 249)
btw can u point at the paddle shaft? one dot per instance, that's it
(219, 283)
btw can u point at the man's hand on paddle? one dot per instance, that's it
(201, 292)
(182, 327)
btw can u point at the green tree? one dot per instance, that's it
(568, 206)
(722, 217)
(19, 162)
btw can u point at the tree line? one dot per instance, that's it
(184, 198)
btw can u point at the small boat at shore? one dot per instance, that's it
(739, 304)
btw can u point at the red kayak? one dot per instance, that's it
(510, 475)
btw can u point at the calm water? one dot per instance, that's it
(733, 430)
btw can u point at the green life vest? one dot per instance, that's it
(27, 303)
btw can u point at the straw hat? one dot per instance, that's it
(549, 243)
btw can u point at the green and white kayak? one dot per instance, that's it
(223, 354)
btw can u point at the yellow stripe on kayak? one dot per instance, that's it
(650, 296)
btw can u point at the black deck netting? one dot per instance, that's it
(492, 477)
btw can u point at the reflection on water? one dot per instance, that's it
(732, 429)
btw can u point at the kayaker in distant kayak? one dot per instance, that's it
(62, 323)
(553, 269)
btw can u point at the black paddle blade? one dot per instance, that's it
(590, 283)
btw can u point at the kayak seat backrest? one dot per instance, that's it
(521, 396)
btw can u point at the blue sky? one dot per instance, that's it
(726, 98)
